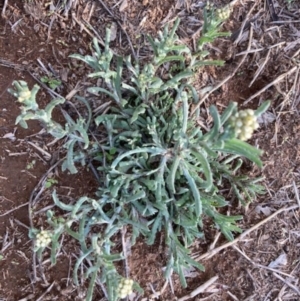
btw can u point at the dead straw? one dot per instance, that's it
(215, 251)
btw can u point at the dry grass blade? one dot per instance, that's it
(259, 265)
(236, 36)
(211, 253)
(53, 18)
(280, 294)
(200, 289)
(296, 193)
(291, 94)
(4, 9)
(232, 296)
(157, 294)
(27, 298)
(296, 89)
(42, 151)
(125, 32)
(124, 247)
(250, 51)
(293, 287)
(46, 292)
(275, 81)
(261, 67)
(100, 41)
(9, 64)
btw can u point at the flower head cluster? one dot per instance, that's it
(24, 95)
(209, 5)
(244, 123)
(125, 287)
(43, 239)
(223, 13)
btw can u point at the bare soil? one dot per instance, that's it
(32, 32)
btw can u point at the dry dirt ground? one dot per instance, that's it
(262, 62)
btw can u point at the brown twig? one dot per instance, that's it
(14, 209)
(236, 36)
(9, 64)
(53, 18)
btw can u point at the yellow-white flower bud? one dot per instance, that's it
(43, 239)
(124, 288)
(244, 124)
(209, 5)
(223, 13)
(23, 95)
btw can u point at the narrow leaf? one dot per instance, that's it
(228, 112)
(170, 59)
(209, 63)
(96, 90)
(60, 204)
(70, 157)
(206, 168)
(195, 192)
(237, 147)
(263, 108)
(172, 174)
